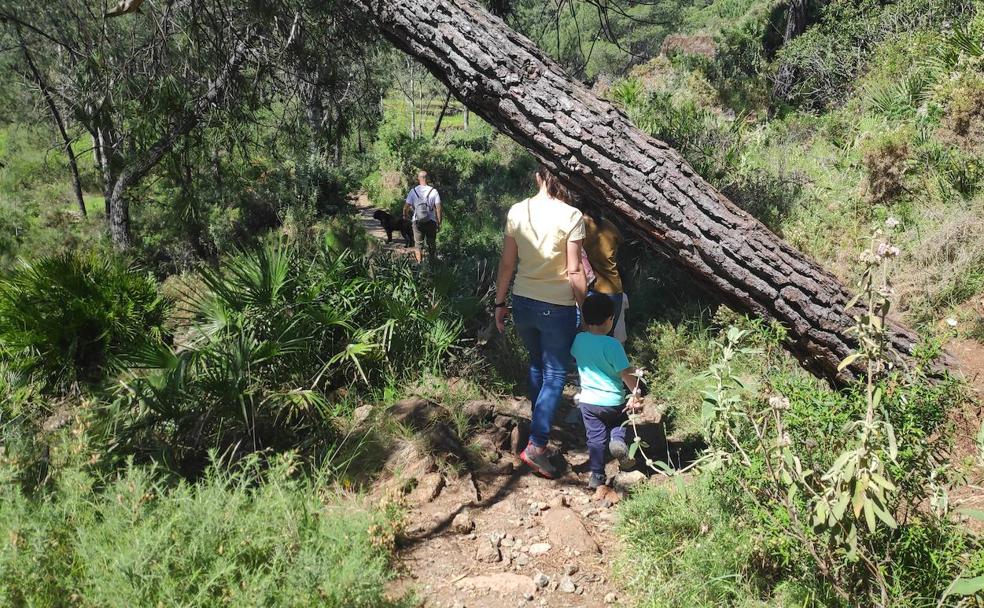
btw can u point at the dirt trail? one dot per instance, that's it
(501, 536)
(967, 421)
(375, 230)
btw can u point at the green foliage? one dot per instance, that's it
(251, 536)
(829, 57)
(70, 318)
(272, 334)
(596, 41)
(686, 549)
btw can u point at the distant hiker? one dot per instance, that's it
(601, 242)
(542, 247)
(604, 369)
(423, 208)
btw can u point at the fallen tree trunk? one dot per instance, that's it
(506, 79)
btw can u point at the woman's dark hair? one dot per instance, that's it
(597, 309)
(554, 187)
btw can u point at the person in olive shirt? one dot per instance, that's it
(601, 242)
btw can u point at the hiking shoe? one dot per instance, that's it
(596, 480)
(620, 452)
(539, 460)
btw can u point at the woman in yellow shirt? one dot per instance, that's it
(542, 248)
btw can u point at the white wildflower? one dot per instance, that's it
(951, 322)
(891, 223)
(779, 402)
(894, 251)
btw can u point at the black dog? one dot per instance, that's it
(391, 224)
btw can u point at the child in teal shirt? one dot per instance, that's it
(604, 369)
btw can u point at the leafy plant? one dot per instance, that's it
(849, 504)
(69, 319)
(257, 534)
(272, 336)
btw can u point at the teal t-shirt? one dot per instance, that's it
(600, 362)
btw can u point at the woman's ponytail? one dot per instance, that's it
(554, 188)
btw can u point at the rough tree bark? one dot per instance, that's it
(503, 77)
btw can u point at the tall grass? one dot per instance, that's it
(240, 537)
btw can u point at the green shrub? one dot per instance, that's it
(830, 57)
(273, 334)
(69, 318)
(686, 548)
(247, 537)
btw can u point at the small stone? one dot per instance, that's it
(487, 552)
(462, 523)
(580, 590)
(610, 597)
(504, 422)
(625, 480)
(496, 538)
(567, 585)
(541, 580)
(558, 501)
(528, 596)
(361, 414)
(539, 548)
(522, 560)
(570, 569)
(458, 604)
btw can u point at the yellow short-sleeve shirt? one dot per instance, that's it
(542, 227)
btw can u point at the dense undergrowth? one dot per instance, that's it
(249, 535)
(176, 428)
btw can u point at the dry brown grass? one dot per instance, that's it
(945, 266)
(885, 165)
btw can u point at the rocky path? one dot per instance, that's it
(967, 422)
(502, 536)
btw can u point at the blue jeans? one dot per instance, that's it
(547, 331)
(601, 425)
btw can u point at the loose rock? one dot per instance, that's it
(567, 585)
(462, 523)
(541, 580)
(566, 530)
(570, 569)
(478, 411)
(502, 582)
(558, 501)
(611, 598)
(488, 553)
(539, 548)
(626, 480)
(428, 488)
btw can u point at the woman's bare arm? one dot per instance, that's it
(575, 272)
(507, 268)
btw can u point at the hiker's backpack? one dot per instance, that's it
(423, 202)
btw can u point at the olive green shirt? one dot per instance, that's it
(601, 242)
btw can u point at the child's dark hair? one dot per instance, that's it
(597, 309)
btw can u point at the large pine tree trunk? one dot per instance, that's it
(503, 77)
